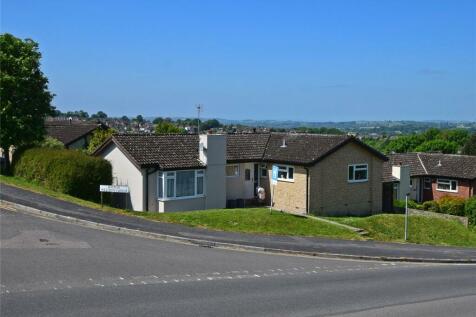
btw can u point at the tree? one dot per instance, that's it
(25, 98)
(140, 119)
(125, 119)
(438, 145)
(165, 127)
(470, 147)
(99, 115)
(158, 120)
(98, 138)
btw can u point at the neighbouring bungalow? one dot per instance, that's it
(74, 134)
(318, 174)
(433, 175)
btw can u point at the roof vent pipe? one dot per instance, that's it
(284, 145)
(439, 163)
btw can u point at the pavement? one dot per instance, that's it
(292, 244)
(53, 268)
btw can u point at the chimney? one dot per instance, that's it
(284, 145)
(212, 152)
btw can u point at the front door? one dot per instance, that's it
(249, 180)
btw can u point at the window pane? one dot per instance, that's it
(351, 173)
(200, 185)
(232, 170)
(170, 187)
(360, 174)
(185, 183)
(361, 167)
(453, 185)
(290, 173)
(282, 174)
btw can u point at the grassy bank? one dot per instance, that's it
(421, 229)
(254, 220)
(37, 188)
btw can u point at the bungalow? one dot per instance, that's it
(73, 134)
(320, 174)
(434, 175)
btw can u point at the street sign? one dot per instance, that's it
(113, 189)
(274, 175)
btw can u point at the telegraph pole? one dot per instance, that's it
(199, 109)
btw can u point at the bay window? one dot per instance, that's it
(180, 184)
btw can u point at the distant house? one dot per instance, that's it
(319, 174)
(74, 134)
(434, 175)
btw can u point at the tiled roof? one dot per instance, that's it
(433, 164)
(68, 132)
(301, 148)
(177, 151)
(246, 147)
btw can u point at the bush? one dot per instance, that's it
(431, 205)
(470, 210)
(67, 171)
(452, 205)
(400, 203)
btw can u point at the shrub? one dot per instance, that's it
(400, 203)
(67, 171)
(470, 210)
(431, 205)
(452, 205)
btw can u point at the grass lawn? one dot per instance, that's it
(421, 229)
(254, 220)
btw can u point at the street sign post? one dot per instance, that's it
(274, 182)
(114, 189)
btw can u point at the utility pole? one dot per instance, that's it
(199, 109)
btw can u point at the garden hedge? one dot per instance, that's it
(68, 171)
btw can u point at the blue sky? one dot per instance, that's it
(286, 60)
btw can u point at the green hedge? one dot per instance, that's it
(451, 205)
(470, 210)
(67, 171)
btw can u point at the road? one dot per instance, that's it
(50, 268)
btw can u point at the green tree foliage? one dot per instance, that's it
(139, 119)
(125, 119)
(431, 140)
(78, 114)
(24, 96)
(438, 145)
(99, 115)
(322, 130)
(165, 127)
(67, 171)
(98, 138)
(469, 147)
(210, 124)
(51, 143)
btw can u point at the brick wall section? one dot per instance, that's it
(291, 196)
(465, 190)
(332, 194)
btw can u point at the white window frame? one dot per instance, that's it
(265, 169)
(163, 176)
(286, 168)
(237, 174)
(446, 181)
(353, 180)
